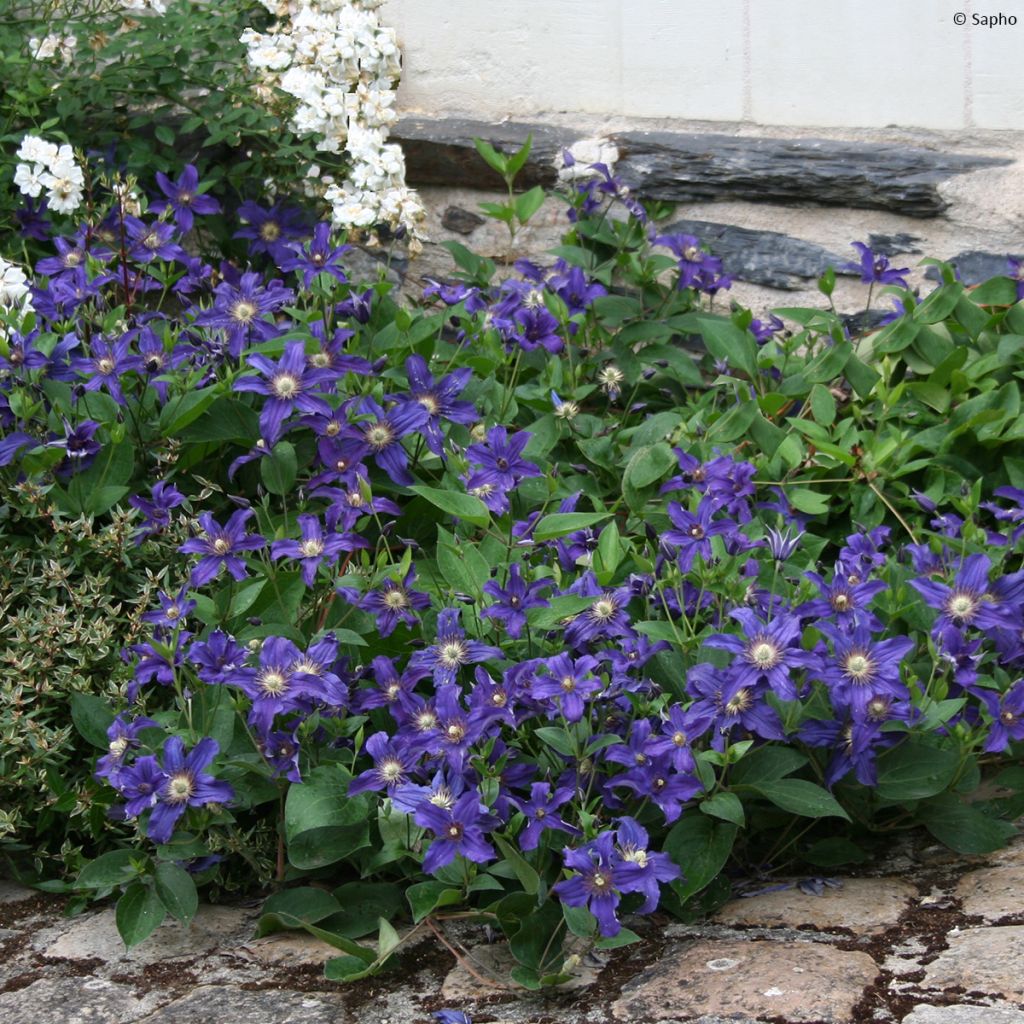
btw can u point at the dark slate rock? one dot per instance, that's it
(893, 245)
(681, 167)
(975, 266)
(768, 258)
(461, 221)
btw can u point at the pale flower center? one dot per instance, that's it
(119, 746)
(391, 771)
(858, 666)
(395, 599)
(285, 385)
(739, 703)
(273, 682)
(603, 609)
(180, 788)
(222, 546)
(243, 312)
(379, 436)
(311, 548)
(452, 653)
(568, 684)
(429, 402)
(269, 231)
(961, 605)
(105, 365)
(763, 654)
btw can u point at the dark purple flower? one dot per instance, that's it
(862, 667)
(271, 231)
(597, 882)
(186, 785)
(123, 737)
(392, 764)
(451, 650)
(280, 749)
(693, 532)
(79, 445)
(604, 619)
(383, 435)
(156, 513)
(642, 870)
(567, 683)
(876, 269)
(513, 601)
(172, 611)
(218, 657)
(148, 242)
(746, 707)
(541, 813)
(681, 728)
(241, 310)
(317, 257)
(106, 364)
(184, 198)
(439, 399)
(1007, 711)
(220, 546)
(844, 600)
(315, 547)
(459, 830)
(395, 602)
(969, 602)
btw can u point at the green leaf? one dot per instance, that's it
(464, 567)
(915, 771)
(726, 806)
(800, 797)
(561, 523)
(767, 764)
(529, 203)
(227, 419)
(426, 897)
(833, 852)
(462, 506)
(110, 869)
(495, 160)
(177, 891)
(515, 163)
(362, 904)
(178, 413)
(295, 908)
(279, 469)
(939, 304)
(537, 943)
(823, 405)
(964, 827)
(700, 846)
(999, 291)
(861, 377)
(809, 502)
(649, 464)
(725, 341)
(322, 823)
(92, 716)
(347, 968)
(557, 738)
(735, 423)
(139, 913)
(527, 875)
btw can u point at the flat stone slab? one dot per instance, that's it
(992, 893)
(864, 905)
(288, 949)
(685, 166)
(981, 960)
(76, 1001)
(14, 892)
(792, 981)
(493, 963)
(95, 937)
(229, 1004)
(1001, 1014)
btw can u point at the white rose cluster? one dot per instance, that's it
(341, 66)
(14, 291)
(44, 165)
(54, 45)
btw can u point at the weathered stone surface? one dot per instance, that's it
(992, 893)
(76, 1001)
(493, 962)
(13, 892)
(229, 1004)
(461, 221)
(866, 905)
(794, 981)
(891, 245)
(95, 936)
(995, 1014)
(981, 960)
(976, 266)
(769, 258)
(288, 949)
(681, 167)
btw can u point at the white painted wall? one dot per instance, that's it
(805, 63)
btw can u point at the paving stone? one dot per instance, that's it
(865, 905)
(95, 936)
(981, 960)
(77, 1001)
(288, 948)
(995, 1014)
(13, 892)
(792, 981)
(229, 1004)
(992, 893)
(494, 962)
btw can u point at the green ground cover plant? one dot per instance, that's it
(564, 592)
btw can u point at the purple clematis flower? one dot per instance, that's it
(568, 683)
(861, 668)
(123, 737)
(148, 242)
(317, 257)
(597, 882)
(241, 310)
(500, 461)
(693, 532)
(969, 602)
(315, 547)
(271, 231)
(220, 546)
(392, 765)
(541, 813)
(105, 366)
(184, 198)
(439, 398)
(1007, 711)
(876, 269)
(458, 830)
(382, 436)
(395, 602)
(451, 650)
(642, 870)
(186, 785)
(513, 601)
(156, 513)
(218, 657)
(288, 385)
